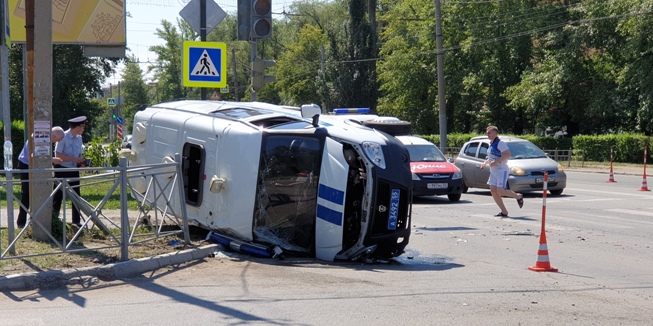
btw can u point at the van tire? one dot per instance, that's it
(393, 128)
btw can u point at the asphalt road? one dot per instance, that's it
(463, 266)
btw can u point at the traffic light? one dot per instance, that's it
(261, 19)
(259, 79)
(244, 19)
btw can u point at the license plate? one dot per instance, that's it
(394, 209)
(540, 180)
(437, 185)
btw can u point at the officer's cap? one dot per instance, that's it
(74, 122)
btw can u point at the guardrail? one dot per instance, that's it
(559, 155)
(154, 209)
(566, 155)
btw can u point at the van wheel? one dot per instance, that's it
(393, 128)
(465, 188)
(454, 197)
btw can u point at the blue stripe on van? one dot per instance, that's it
(329, 215)
(331, 194)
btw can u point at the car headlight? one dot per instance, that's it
(515, 170)
(457, 175)
(560, 169)
(374, 152)
(415, 177)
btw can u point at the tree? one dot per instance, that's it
(134, 90)
(299, 66)
(76, 81)
(350, 79)
(167, 69)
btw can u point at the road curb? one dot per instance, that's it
(92, 275)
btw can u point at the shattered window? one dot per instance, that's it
(287, 191)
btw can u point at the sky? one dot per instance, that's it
(146, 16)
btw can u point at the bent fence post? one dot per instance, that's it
(182, 198)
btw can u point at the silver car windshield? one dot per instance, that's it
(524, 150)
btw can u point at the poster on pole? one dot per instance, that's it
(42, 143)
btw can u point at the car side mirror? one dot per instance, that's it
(450, 160)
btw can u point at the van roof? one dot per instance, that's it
(211, 107)
(242, 111)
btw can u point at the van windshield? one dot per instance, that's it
(287, 191)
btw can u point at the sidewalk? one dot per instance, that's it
(629, 170)
(94, 274)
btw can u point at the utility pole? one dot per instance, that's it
(233, 63)
(39, 108)
(252, 56)
(442, 101)
(5, 106)
(203, 38)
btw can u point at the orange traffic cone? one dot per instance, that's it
(542, 264)
(644, 185)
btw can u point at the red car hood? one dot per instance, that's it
(432, 167)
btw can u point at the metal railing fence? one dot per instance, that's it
(155, 209)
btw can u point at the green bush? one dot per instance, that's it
(459, 139)
(102, 156)
(627, 147)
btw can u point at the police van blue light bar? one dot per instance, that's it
(351, 110)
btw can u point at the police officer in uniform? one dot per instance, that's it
(69, 150)
(56, 135)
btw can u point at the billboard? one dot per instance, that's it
(89, 22)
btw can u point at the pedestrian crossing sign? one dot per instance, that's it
(205, 64)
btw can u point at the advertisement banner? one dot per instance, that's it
(96, 22)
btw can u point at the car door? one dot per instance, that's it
(481, 176)
(466, 162)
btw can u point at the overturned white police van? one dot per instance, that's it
(262, 176)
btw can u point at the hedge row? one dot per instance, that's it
(626, 147)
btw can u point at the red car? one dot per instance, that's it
(433, 173)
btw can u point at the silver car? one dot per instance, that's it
(527, 166)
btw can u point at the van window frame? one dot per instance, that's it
(193, 173)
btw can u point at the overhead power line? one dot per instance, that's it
(503, 38)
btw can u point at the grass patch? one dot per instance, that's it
(49, 257)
